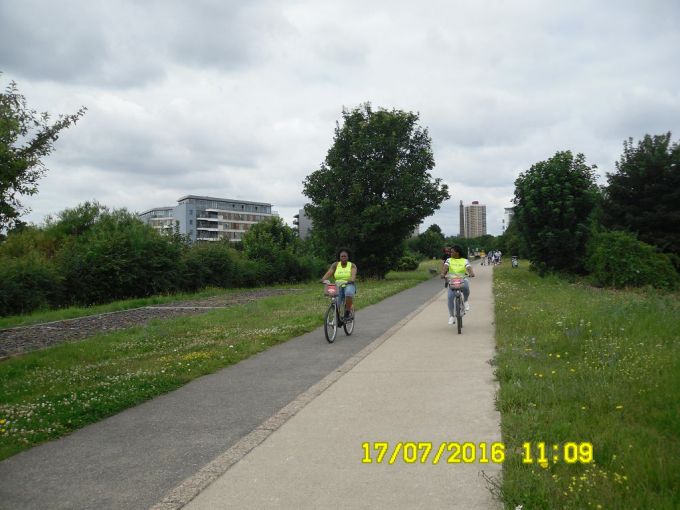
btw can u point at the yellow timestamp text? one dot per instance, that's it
(424, 452)
(454, 452)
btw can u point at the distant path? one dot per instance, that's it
(134, 458)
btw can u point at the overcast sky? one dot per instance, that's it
(239, 99)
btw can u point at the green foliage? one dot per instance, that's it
(618, 259)
(76, 221)
(374, 187)
(27, 283)
(91, 255)
(471, 244)
(511, 242)
(554, 201)
(267, 237)
(25, 138)
(117, 258)
(430, 243)
(643, 195)
(213, 264)
(407, 263)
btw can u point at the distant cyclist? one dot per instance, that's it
(457, 266)
(344, 271)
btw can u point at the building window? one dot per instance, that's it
(191, 222)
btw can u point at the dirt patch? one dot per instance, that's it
(23, 339)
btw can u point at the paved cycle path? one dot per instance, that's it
(134, 459)
(423, 384)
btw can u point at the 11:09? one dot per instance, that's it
(571, 453)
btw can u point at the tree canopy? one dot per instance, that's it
(374, 187)
(554, 201)
(643, 195)
(25, 138)
(430, 243)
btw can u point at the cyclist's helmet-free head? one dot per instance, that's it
(456, 248)
(344, 250)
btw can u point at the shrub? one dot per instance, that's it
(117, 258)
(214, 264)
(618, 259)
(407, 263)
(27, 283)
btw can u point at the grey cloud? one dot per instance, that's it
(130, 43)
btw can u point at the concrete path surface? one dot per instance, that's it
(133, 459)
(423, 384)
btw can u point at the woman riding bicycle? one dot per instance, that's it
(457, 266)
(344, 271)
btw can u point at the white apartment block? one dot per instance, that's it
(207, 218)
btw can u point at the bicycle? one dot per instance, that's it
(456, 284)
(335, 315)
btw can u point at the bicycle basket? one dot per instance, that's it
(456, 283)
(330, 290)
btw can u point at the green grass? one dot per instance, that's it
(49, 393)
(579, 364)
(81, 311)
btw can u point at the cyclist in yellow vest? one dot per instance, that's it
(456, 265)
(344, 271)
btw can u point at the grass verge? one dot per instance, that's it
(585, 365)
(49, 393)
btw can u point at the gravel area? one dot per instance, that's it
(23, 339)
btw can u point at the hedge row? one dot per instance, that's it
(118, 257)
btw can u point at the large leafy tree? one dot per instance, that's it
(26, 137)
(643, 195)
(554, 201)
(374, 187)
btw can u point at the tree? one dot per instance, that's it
(430, 243)
(374, 187)
(25, 138)
(554, 201)
(643, 195)
(268, 237)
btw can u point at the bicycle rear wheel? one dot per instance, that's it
(459, 313)
(330, 323)
(348, 326)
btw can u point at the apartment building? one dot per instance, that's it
(303, 224)
(203, 218)
(474, 220)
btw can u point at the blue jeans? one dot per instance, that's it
(348, 291)
(466, 294)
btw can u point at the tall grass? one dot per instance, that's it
(47, 394)
(579, 364)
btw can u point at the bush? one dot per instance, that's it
(27, 283)
(407, 263)
(618, 259)
(209, 265)
(117, 258)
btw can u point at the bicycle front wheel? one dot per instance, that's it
(459, 313)
(330, 323)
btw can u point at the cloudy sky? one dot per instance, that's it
(239, 99)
